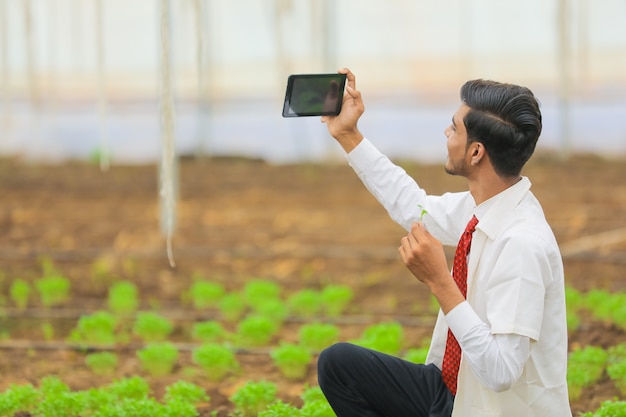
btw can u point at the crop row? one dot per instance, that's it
(586, 365)
(132, 397)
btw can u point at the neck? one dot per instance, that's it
(486, 187)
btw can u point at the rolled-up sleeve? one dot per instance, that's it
(496, 359)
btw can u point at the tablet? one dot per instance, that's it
(314, 95)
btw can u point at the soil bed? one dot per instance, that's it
(304, 226)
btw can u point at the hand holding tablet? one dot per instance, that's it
(314, 95)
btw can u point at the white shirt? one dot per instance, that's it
(512, 328)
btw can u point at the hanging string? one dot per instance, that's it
(102, 103)
(167, 126)
(4, 57)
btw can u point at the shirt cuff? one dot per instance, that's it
(360, 158)
(462, 319)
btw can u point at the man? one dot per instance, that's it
(503, 306)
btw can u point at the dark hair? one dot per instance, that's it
(506, 119)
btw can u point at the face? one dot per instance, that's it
(457, 163)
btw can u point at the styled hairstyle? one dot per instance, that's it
(506, 119)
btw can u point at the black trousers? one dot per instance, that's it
(360, 382)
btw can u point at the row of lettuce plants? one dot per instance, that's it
(132, 397)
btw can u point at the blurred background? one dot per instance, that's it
(116, 80)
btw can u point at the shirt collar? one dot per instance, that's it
(492, 213)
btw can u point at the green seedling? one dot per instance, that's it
(102, 363)
(20, 292)
(383, 337)
(158, 359)
(98, 329)
(315, 404)
(335, 299)
(422, 211)
(292, 360)
(47, 330)
(608, 409)
(179, 408)
(216, 361)
(254, 397)
(16, 398)
(63, 404)
(617, 372)
(256, 331)
(187, 392)
(134, 407)
(208, 332)
(260, 290)
(279, 409)
(152, 327)
(417, 355)
(305, 303)
(123, 298)
(53, 290)
(206, 294)
(273, 308)
(317, 336)
(585, 367)
(135, 388)
(319, 408)
(232, 307)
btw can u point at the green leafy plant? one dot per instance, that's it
(383, 337)
(158, 358)
(279, 409)
(152, 327)
(63, 404)
(585, 367)
(273, 308)
(187, 392)
(608, 409)
(53, 290)
(102, 363)
(315, 404)
(232, 306)
(128, 388)
(133, 407)
(208, 331)
(47, 330)
(215, 360)
(259, 290)
(305, 303)
(122, 298)
(292, 360)
(206, 294)
(256, 331)
(617, 372)
(20, 292)
(317, 336)
(98, 329)
(335, 299)
(254, 397)
(423, 211)
(18, 398)
(416, 355)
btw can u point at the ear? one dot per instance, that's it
(477, 153)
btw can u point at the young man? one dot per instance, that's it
(503, 306)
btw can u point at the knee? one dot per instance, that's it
(335, 357)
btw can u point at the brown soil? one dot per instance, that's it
(302, 225)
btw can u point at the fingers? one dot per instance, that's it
(350, 77)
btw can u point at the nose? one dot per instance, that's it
(447, 131)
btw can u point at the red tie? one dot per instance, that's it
(452, 355)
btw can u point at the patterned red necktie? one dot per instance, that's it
(452, 355)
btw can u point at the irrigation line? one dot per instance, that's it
(583, 252)
(423, 320)
(17, 344)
